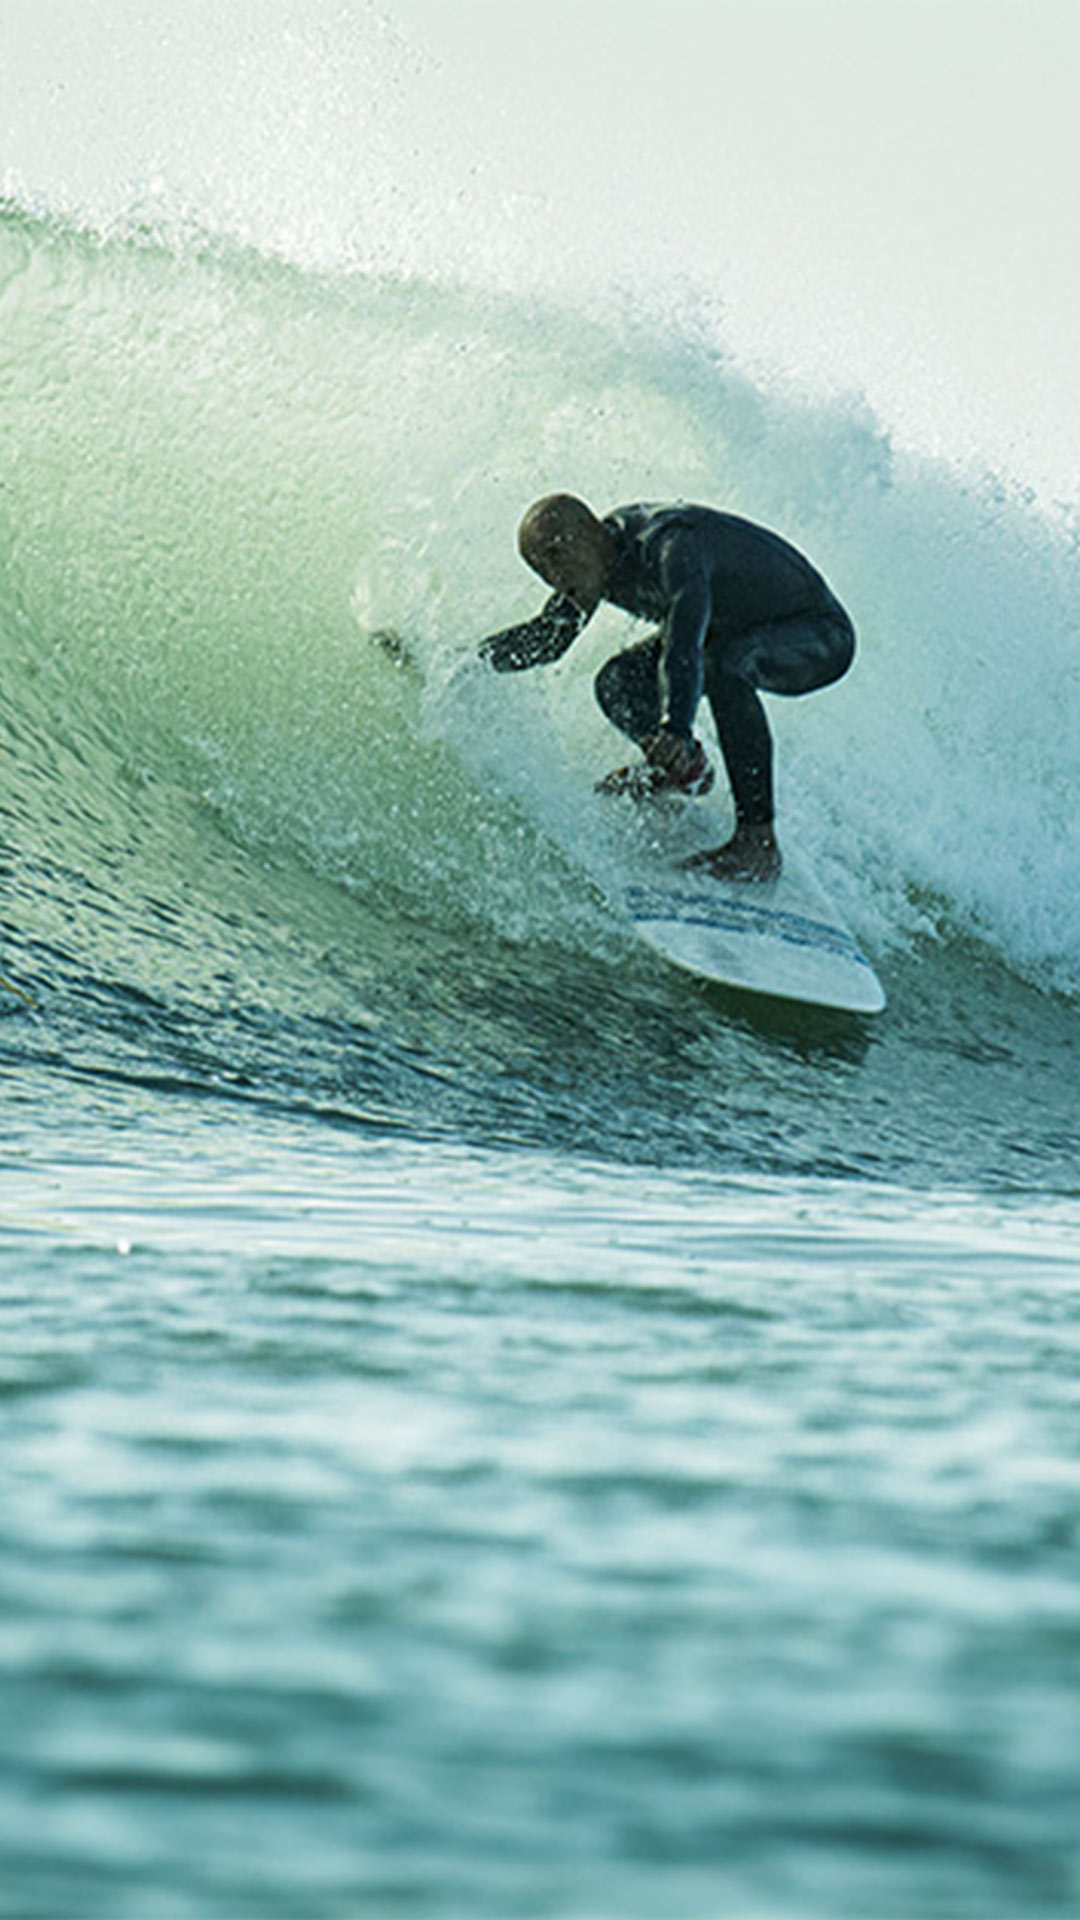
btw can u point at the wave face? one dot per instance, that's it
(229, 479)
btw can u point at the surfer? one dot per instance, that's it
(740, 612)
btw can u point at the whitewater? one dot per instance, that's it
(491, 1427)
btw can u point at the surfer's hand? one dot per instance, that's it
(677, 762)
(535, 642)
(504, 652)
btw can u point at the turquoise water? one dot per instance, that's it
(491, 1428)
(404, 1526)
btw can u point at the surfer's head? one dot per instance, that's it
(563, 541)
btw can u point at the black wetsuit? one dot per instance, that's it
(740, 610)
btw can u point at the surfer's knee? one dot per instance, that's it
(841, 651)
(829, 652)
(607, 686)
(627, 690)
(615, 699)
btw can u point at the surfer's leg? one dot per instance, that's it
(791, 656)
(783, 656)
(627, 689)
(746, 744)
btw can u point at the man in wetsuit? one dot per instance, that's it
(739, 612)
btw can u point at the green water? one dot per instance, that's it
(491, 1428)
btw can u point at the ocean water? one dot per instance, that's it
(491, 1427)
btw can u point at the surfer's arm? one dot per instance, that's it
(538, 641)
(682, 659)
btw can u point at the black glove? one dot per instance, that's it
(679, 765)
(535, 642)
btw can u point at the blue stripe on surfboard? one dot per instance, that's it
(739, 916)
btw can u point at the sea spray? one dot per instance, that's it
(228, 475)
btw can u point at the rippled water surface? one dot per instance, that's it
(401, 1528)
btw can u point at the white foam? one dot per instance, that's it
(350, 449)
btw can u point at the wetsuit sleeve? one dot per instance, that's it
(535, 642)
(686, 623)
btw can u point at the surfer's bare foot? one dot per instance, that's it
(750, 854)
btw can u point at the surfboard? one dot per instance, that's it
(781, 938)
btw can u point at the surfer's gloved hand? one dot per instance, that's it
(673, 764)
(535, 642)
(679, 760)
(512, 651)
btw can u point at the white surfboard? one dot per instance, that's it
(780, 938)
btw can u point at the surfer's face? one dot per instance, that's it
(576, 565)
